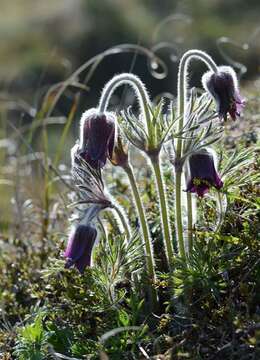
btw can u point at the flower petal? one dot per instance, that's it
(201, 173)
(223, 87)
(80, 246)
(97, 137)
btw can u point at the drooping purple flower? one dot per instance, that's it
(80, 246)
(201, 173)
(97, 137)
(223, 87)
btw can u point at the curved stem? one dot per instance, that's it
(183, 86)
(138, 86)
(181, 112)
(155, 161)
(145, 106)
(145, 232)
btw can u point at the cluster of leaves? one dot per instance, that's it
(76, 314)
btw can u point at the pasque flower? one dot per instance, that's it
(223, 87)
(97, 137)
(80, 246)
(201, 173)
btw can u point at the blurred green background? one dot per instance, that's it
(42, 42)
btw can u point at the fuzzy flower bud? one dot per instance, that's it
(223, 87)
(97, 137)
(201, 173)
(80, 246)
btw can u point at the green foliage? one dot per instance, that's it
(117, 260)
(238, 170)
(123, 341)
(202, 274)
(32, 341)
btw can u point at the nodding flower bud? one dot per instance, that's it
(120, 154)
(97, 137)
(223, 87)
(80, 246)
(201, 173)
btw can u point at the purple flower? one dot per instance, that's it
(223, 87)
(201, 173)
(97, 137)
(80, 246)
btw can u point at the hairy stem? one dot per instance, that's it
(155, 161)
(190, 221)
(145, 232)
(178, 214)
(138, 86)
(181, 112)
